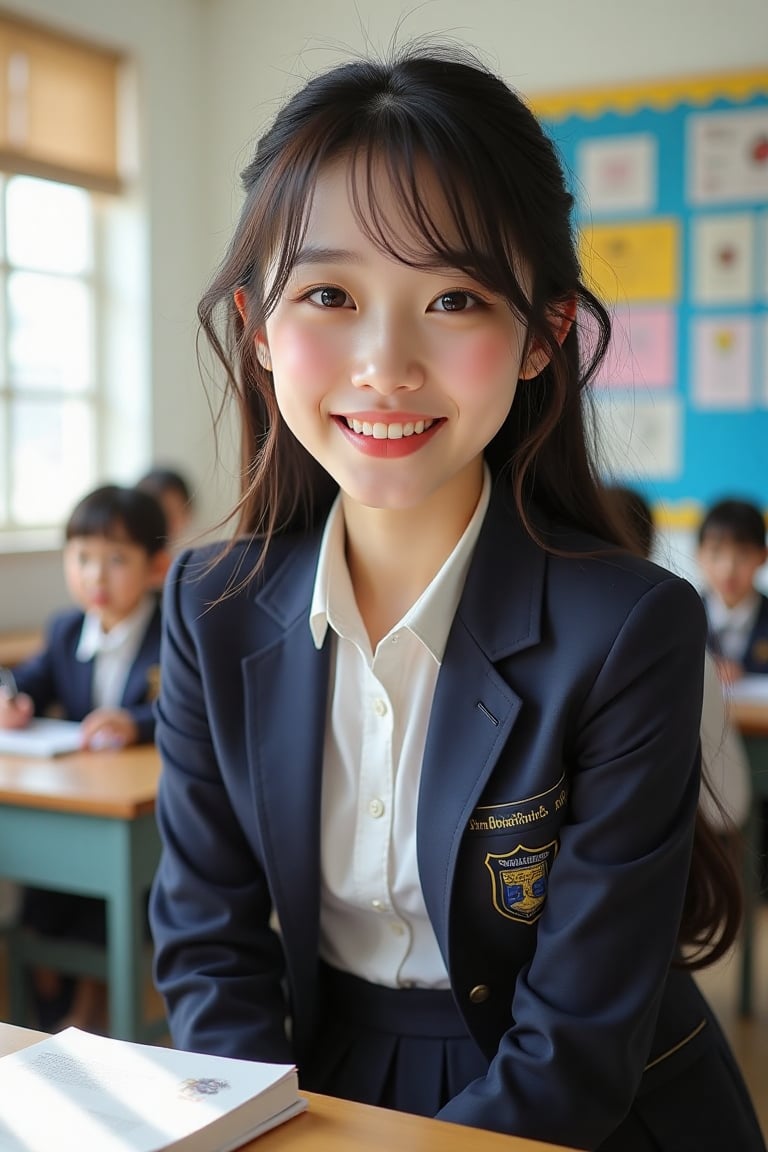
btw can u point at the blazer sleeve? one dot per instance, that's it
(218, 962)
(37, 676)
(585, 1008)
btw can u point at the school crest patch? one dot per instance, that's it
(759, 653)
(520, 879)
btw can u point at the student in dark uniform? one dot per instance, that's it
(175, 496)
(100, 664)
(426, 712)
(731, 551)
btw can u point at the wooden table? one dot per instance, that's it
(84, 823)
(751, 719)
(332, 1125)
(16, 647)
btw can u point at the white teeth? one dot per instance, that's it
(382, 431)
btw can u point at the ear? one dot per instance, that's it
(260, 340)
(239, 297)
(560, 318)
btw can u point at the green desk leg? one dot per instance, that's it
(136, 843)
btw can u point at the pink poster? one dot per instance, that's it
(643, 351)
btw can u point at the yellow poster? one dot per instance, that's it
(637, 261)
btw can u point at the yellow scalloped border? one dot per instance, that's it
(683, 515)
(739, 87)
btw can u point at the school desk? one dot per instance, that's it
(84, 823)
(331, 1125)
(15, 647)
(751, 719)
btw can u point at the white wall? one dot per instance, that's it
(211, 75)
(260, 50)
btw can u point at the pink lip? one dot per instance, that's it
(388, 449)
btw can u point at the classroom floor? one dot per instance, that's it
(749, 1037)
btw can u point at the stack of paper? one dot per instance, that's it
(77, 1092)
(749, 690)
(42, 737)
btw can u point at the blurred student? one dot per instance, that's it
(100, 665)
(174, 495)
(727, 799)
(99, 661)
(731, 551)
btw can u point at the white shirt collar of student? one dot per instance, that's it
(94, 640)
(741, 617)
(429, 619)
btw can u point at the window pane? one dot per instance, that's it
(49, 225)
(50, 323)
(53, 459)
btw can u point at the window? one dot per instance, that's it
(49, 394)
(73, 399)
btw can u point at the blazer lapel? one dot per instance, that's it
(474, 709)
(286, 685)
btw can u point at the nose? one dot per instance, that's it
(388, 357)
(96, 571)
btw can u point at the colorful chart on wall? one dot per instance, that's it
(671, 186)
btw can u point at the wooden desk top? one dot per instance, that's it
(119, 784)
(749, 716)
(15, 647)
(339, 1126)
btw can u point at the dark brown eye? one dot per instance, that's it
(457, 301)
(332, 297)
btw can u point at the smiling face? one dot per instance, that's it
(395, 378)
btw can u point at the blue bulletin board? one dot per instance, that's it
(671, 185)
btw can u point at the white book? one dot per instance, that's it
(43, 736)
(76, 1092)
(749, 689)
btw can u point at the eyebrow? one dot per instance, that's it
(313, 254)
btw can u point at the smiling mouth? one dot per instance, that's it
(381, 431)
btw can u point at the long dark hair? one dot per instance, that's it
(505, 196)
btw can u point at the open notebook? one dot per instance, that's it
(76, 1092)
(749, 690)
(41, 737)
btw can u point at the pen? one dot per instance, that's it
(8, 683)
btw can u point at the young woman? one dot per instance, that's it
(430, 735)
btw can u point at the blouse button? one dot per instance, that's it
(380, 706)
(479, 994)
(376, 807)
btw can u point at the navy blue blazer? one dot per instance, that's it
(555, 818)
(56, 677)
(754, 659)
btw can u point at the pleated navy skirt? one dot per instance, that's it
(402, 1048)
(408, 1049)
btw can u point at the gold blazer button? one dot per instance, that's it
(479, 993)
